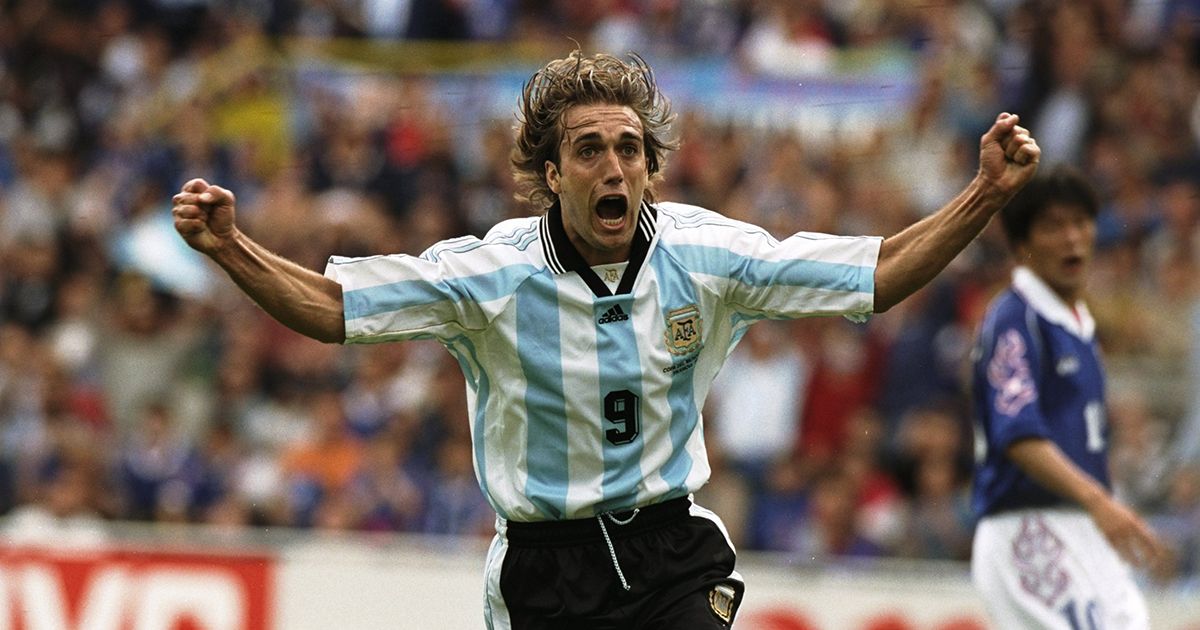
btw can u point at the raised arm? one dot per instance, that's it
(1008, 158)
(1133, 539)
(299, 298)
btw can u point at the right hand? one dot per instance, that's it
(204, 215)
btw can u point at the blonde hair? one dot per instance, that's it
(580, 80)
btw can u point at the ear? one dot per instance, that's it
(552, 178)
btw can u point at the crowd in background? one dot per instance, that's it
(137, 383)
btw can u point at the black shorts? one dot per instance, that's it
(676, 560)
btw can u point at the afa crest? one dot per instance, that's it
(684, 328)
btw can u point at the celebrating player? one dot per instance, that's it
(1049, 544)
(589, 336)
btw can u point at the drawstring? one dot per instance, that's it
(612, 551)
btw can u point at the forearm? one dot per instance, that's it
(1129, 535)
(910, 259)
(299, 298)
(1045, 463)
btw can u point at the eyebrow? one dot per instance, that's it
(593, 136)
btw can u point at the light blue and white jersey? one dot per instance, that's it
(584, 400)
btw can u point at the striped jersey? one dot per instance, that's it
(583, 399)
(1037, 374)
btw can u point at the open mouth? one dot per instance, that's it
(610, 209)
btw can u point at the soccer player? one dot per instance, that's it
(589, 336)
(1050, 540)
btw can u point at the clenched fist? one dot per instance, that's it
(204, 215)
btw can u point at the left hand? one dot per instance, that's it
(1008, 155)
(1129, 535)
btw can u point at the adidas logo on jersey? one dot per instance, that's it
(614, 314)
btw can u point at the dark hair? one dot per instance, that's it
(1062, 185)
(580, 80)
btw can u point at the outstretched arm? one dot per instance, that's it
(1133, 539)
(1008, 158)
(299, 298)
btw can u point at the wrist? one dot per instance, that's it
(989, 190)
(227, 247)
(1093, 498)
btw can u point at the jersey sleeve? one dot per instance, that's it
(1008, 382)
(444, 293)
(761, 276)
(804, 274)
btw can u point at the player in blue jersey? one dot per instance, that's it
(590, 334)
(1050, 540)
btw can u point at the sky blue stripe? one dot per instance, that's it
(540, 354)
(741, 322)
(675, 291)
(408, 293)
(468, 361)
(620, 370)
(813, 274)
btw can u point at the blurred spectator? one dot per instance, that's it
(389, 487)
(1179, 522)
(154, 462)
(829, 528)
(845, 378)
(756, 430)
(148, 337)
(455, 505)
(61, 515)
(934, 432)
(1138, 451)
(321, 468)
(940, 521)
(791, 39)
(881, 504)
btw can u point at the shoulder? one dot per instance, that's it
(506, 242)
(687, 223)
(1010, 328)
(1007, 310)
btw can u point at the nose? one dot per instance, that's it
(611, 168)
(1079, 232)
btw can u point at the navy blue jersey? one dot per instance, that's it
(1036, 373)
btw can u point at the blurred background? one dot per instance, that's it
(137, 384)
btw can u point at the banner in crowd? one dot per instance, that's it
(134, 589)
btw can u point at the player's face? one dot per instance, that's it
(600, 179)
(1059, 249)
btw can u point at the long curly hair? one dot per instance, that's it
(580, 80)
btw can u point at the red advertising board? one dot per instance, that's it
(127, 589)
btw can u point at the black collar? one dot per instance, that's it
(562, 256)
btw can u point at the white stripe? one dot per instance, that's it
(505, 455)
(495, 610)
(703, 512)
(645, 223)
(585, 439)
(551, 254)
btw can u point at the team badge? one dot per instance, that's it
(684, 328)
(610, 275)
(723, 601)
(1009, 373)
